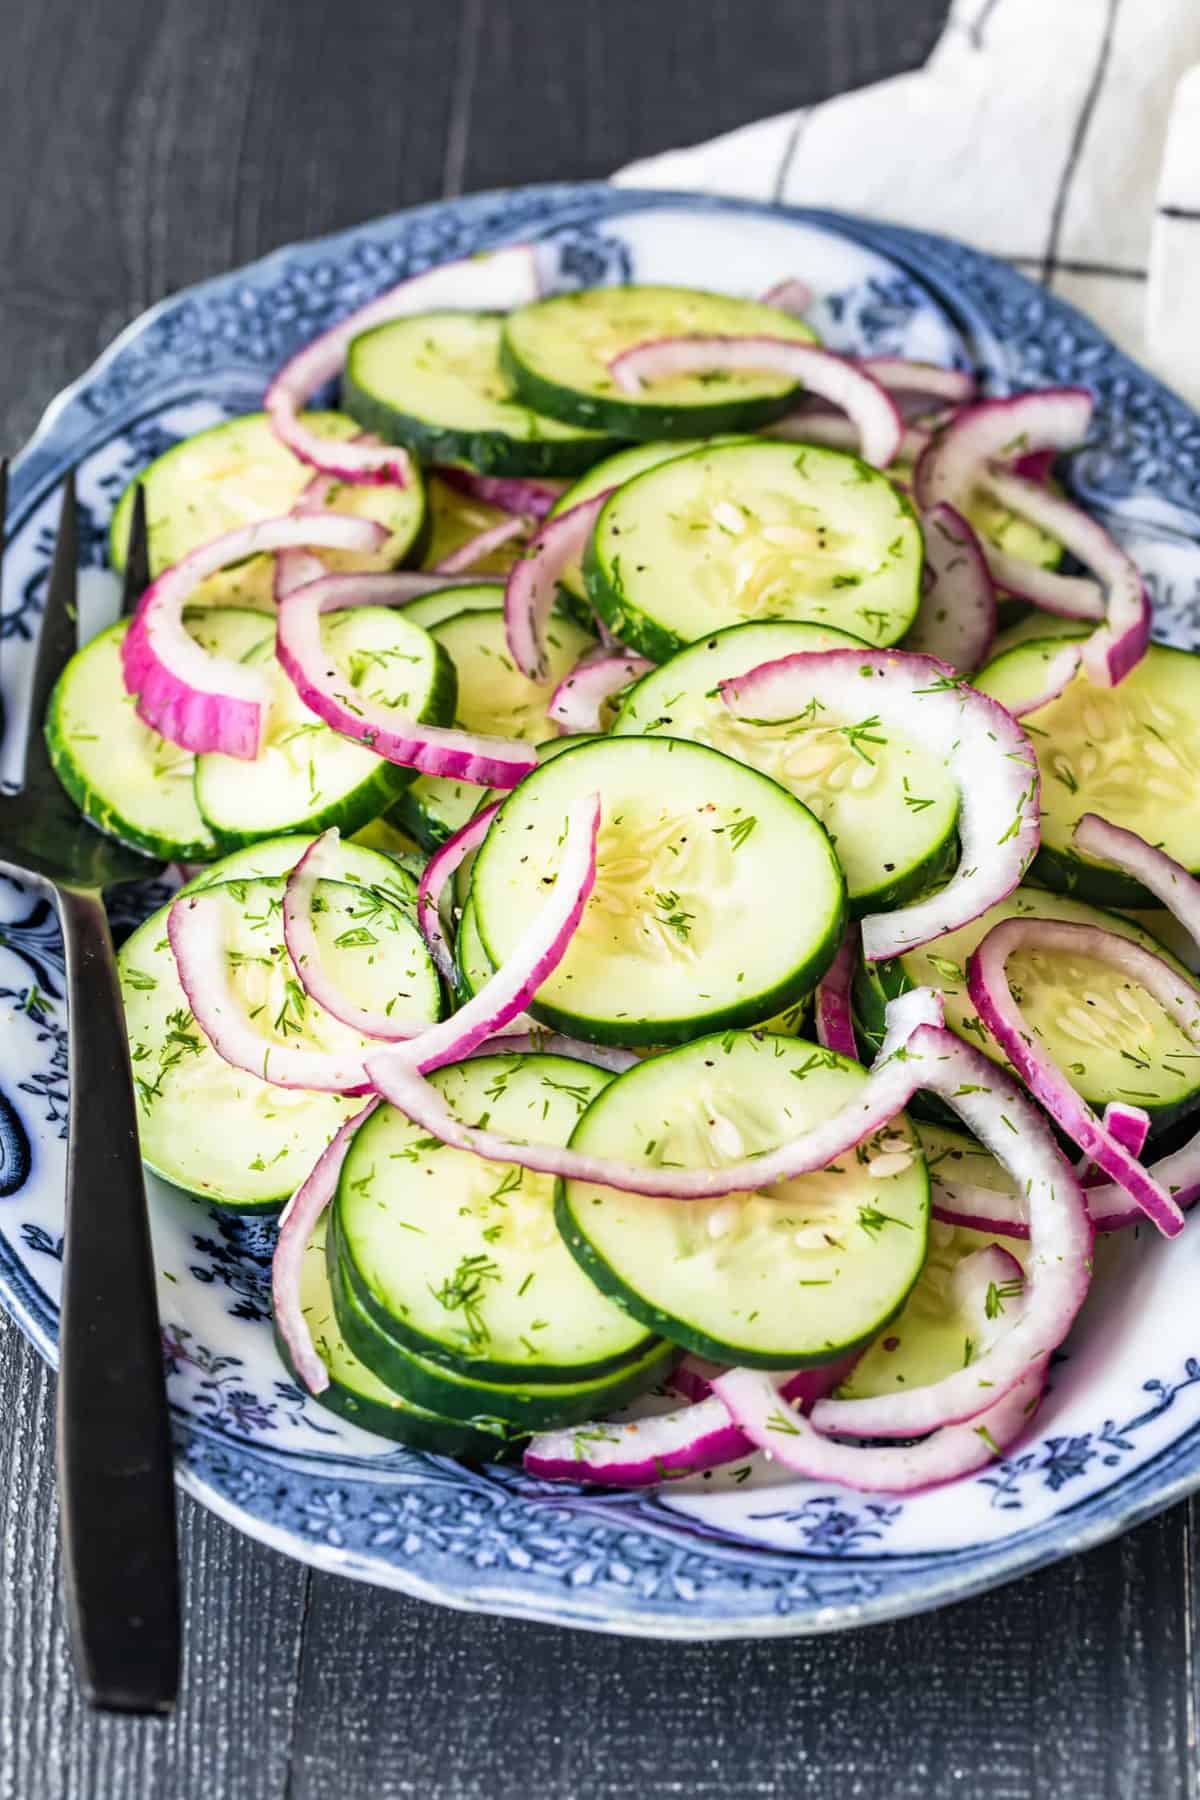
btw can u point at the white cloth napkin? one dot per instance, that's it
(1061, 135)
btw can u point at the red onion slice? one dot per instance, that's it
(434, 749)
(647, 1452)
(1110, 653)
(437, 872)
(953, 387)
(577, 701)
(532, 584)
(1129, 1125)
(1166, 879)
(497, 282)
(958, 462)
(991, 995)
(812, 423)
(755, 1405)
(694, 1376)
(1109, 1206)
(211, 703)
(536, 955)
(303, 947)
(957, 617)
(834, 378)
(297, 1222)
(523, 1037)
(195, 929)
(508, 493)
(835, 1024)
(791, 295)
(481, 545)
(987, 754)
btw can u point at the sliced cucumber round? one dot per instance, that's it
(796, 1274)
(956, 1156)
(1109, 1037)
(754, 531)
(614, 472)
(440, 604)
(557, 353)
(946, 1324)
(433, 381)
(125, 779)
(718, 898)
(1029, 623)
(890, 808)
(307, 776)
(240, 472)
(472, 965)
(458, 1257)
(493, 697)
(508, 1406)
(997, 524)
(356, 1393)
(1130, 753)
(353, 862)
(454, 519)
(217, 1131)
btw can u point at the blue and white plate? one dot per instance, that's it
(741, 1554)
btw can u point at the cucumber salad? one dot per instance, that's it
(681, 832)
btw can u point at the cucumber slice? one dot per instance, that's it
(754, 531)
(356, 1393)
(556, 352)
(434, 382)
(505, 1406)
(308, 777)
(1108, 1036)
(546, 752)
(958, 1157)
(1130, 753)
(997, 524)
(382, 835)
(236, 473)
(1029, 624)
(472, 965)
(125, 779)
(217, 1131)
(687, 928)
(455, 518)
(614, 472)
(458, 1257)
(493, 697)
(945, 1324)
(889, 807)
(434, 608)
(354, 862)
(797, 1274)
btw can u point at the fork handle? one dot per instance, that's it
(115, 1483)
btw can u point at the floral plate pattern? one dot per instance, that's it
(740, 1553)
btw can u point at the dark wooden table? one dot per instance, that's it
(145, 144)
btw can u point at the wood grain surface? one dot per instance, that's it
(145, 144)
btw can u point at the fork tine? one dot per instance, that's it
(137, 555)
(57, 638)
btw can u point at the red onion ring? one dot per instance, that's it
(834, 378)
(508, 493)
(434, 749)
(532, 584)
(988, 755)
(437, 872)
(199, 701)
(791, 295)
(1129, 1125)
(957, 617)
(297, 1222)
(1110, 653)
(834, 1020)
(755, 1406)
(954, 387)
(482, 544)
(576, 702)
(1166, 879)
(991, 995)
(812, 423)
(497, 282)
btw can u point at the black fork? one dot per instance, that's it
(115, 1485)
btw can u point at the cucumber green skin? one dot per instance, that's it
(488, 452)
(269, 1208)
(410, 1424)
(409, 812)
(639, 420)
(100, 813)
(1065, 874)
(633, 627)
(400, 880)
(430, 1349)
(682, 1331)
(377, 794)
(497, 1406)
(885, 981)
